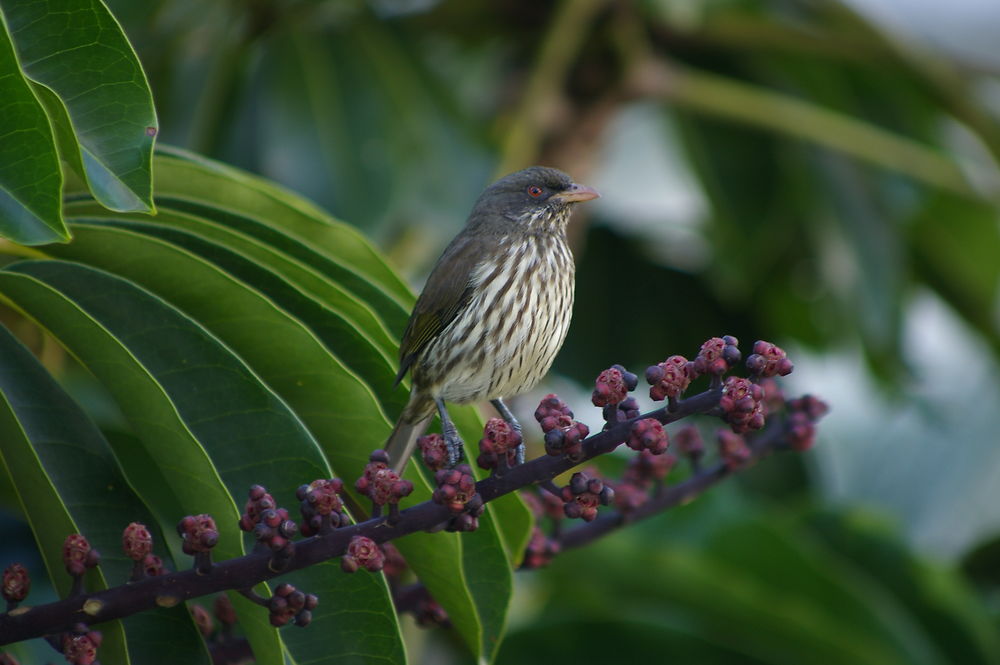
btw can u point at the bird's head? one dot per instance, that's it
(536, 199)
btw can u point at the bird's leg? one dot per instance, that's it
(512, 421)
(452, 440)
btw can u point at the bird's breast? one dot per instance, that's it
(507, 337)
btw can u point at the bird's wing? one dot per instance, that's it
(447, 292)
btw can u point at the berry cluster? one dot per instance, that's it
(540, 550)
(79, 646)
(717, 356)
(563, 435)
(16, 584)
(456, 490)
(288, 603)
(78, 556)
(362, 552)
(689, 443)
(499, 445)
(137, 543)
(383, 485)
(742, 404)
(648, 434)
(321, 507)
(198, 533)
(646, 470)
(270, 525)
(612, 386)
(204, 621)
(428, 612)
(803, 413)
(433, 450)
(583, 495)
(395, 565)
(768, 360)
(733, 449)
(669, 378)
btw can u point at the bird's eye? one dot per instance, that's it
(534, 191)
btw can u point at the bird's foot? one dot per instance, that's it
(452, 441)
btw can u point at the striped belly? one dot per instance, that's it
(524, 305)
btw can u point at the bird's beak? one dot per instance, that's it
(577, 193)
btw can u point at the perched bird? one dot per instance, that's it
(495, 309)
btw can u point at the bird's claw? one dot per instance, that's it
(454, 444)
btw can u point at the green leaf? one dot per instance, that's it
(317, 384)
(78, 50)
(198, 412)
(62, 131)
(330, 293)
(68, 482)
(355, 621)
(30, 181)
(489, 576)
(191, 177)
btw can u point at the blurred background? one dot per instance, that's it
(819, 174)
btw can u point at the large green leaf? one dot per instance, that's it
(323, 393)
(196, 178)
(330, 293)
(68, 482)
(198, 412)
(78, 50)
(30, 182)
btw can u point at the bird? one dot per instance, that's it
(494, 310)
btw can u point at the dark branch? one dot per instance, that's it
(243, 572)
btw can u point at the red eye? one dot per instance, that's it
(534, 191)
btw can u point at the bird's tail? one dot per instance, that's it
(403, 440)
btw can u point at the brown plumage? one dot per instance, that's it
(496, 307)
